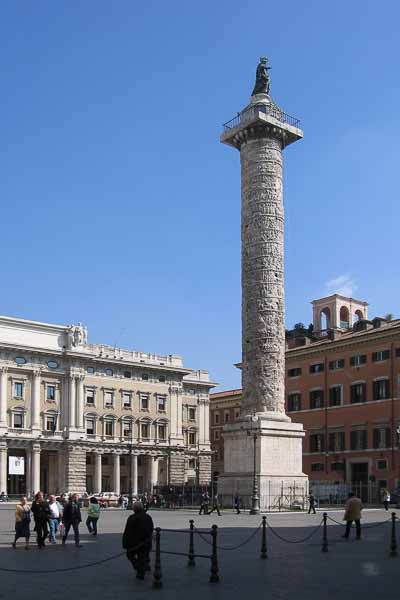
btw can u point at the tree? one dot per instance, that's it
(389, 317)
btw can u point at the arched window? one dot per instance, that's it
(358, 316)
(50, 421)
(325, 318)
(91, 423)
(344, 317)
(127, 428)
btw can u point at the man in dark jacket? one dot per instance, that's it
(136, 539)
(41, 513)
(72, 516)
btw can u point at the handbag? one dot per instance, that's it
(61, 529)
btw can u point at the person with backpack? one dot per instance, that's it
(93, 515)
(22, 522)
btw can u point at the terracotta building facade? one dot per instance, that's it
(343, 385)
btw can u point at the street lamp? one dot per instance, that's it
(255, 499)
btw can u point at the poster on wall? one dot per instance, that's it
(16, 465)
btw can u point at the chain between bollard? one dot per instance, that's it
(191, 561)
(393, 538)
(325, 533)
(264, 539)
(214, 576)
(157, 575)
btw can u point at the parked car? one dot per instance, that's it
(395, 497)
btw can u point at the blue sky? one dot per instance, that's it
(121, 209)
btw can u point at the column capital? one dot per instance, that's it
(37, 372)
(3, 446)
(3, 368)
(36, 447)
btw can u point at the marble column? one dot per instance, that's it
(35, 402)
(117, 474)
(97, 473)
(28, 472)
(35, 469)
(153, 472)
(134, 474)
(3, 396)
(3, 467)
(80, 402)
(72, 402)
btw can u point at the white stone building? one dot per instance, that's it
(76, 416)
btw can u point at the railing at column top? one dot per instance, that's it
(253, 111)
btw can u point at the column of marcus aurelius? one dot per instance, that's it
(263, 452)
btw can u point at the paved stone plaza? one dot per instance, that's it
(348, 566)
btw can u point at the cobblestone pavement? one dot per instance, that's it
(298, 570)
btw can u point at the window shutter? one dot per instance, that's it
(388, 441)
(376, 438)
(364, 439)
(374, 356)
(387, 388)
(352, 361)
(375, 388)
(341, 363)
(352, 393)
(353, 440)
(341, 440)
(386, 354)
(363, 359)
(331, 442)
(332, 364)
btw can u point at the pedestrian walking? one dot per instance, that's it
(22, 521)
(386, 498)
(93, 515)
(237, 503)
(204, 504)
(72, 517)
(137, 538)
(311, 504)
(352, 513)
(215, 505)
(54, 517)
(41, 514)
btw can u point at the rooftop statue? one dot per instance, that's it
(262, 78)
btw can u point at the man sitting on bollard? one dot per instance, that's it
(137, 538)
(352, 513)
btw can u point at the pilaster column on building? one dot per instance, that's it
(72, 402)
(153, 472)
(134, 473)
(97, 473)
(80, 401)
(3, 467)
(35, 401)
(28, 472)
(3, 396)
(207, 422)
(60, 472)
(117, 474)
(35, 468)
(176, 415)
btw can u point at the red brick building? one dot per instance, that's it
(343, 384)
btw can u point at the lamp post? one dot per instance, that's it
(255, 499)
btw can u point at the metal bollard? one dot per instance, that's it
(191, 561)
(157, 575)
(264, 538)
(325, 533)
(393, 539)
(214, 576)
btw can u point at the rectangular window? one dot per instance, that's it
(295, 372)
(162, 432)
(216, 435)
(51, 392)
(381, 437)
(358, 393)
(145, 376)
(126, 400)
(192, 463)
(145, 430)
(337, 466)
(162, 378)
(317, 442)
(216, 418)
(335, 395)
(398, 352)
(336, 441)
(226, 416)
(108, 399)
(381, 465)
(294, 402)
(192, 438)
(109, 428)
(18, 420)
(50, 423)
(336, 364)
(380, 355)
(358, 360)
(18, 389)
(359, 439)
(90, 397)
(317, 467)
(317, 368)
(192, 414)
(90, 427)
(161, 403)
(144, 401)
(316, 399)
(126, 429)
(381, 389)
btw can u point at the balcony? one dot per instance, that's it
(19, 431)
(253, 113)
